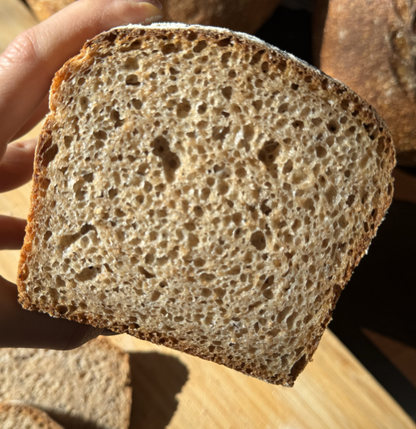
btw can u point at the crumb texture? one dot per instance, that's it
(205, 191)
(21, 416)
(82, 388)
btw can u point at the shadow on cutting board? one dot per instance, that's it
(69, 422)
(156, 380)
(375, 315)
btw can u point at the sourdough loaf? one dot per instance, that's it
(82, 388)
(43, 9)
(21, 416)
(200, 189)
(241, 15)
(371, 47)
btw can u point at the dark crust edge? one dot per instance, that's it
(100, 46)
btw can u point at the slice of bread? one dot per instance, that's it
(82, 388)
(241, 15)
(21, 416)
(201, 189)
(378, 63)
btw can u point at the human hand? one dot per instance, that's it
(26, 70)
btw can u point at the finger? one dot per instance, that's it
(22, 328)
(30, 61)
(16, 168)
(12, 232)
(36, 117)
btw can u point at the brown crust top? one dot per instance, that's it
(370, 47)
(278, 60)
(239, 15)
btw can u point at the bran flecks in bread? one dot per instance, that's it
(200, 189)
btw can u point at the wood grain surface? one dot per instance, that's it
(178, 391)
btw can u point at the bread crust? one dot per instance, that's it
(16, 390)
(37, 416)
(239, 15)
(277, 60)
(370, 47)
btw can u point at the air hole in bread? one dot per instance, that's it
(206, 277)
(202, 108)
(224, 42)
(219, 132)
(258, 240)
(268, 154)
(227, 92)
(333, 126)
(331, 194)
(265, 67)
(183, 109)
(87, 273)
(131, 63)
(137, 103)
(48, 152)
(225, 58)
(257, 104)
(256, 57)
(320, 152)
(288, 167)
(191, 36)
(132, 79)
(200, 46)
(170, 160)
(283, 108)
(115, 117)
(297, 125)
(170, 48)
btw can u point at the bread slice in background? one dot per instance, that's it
(241, 15)
(21, 416)
(200, 189)
(370, 46)
(82, 388)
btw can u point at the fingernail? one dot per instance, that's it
(156, 3)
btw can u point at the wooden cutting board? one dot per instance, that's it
(177, 391)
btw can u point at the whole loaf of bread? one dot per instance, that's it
(371, 47)
(200, 189)
(241, 15)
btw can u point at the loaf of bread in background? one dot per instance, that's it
(371, 47)
(240, 15)
(21, 416)
(201, 189)
(83, 388)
